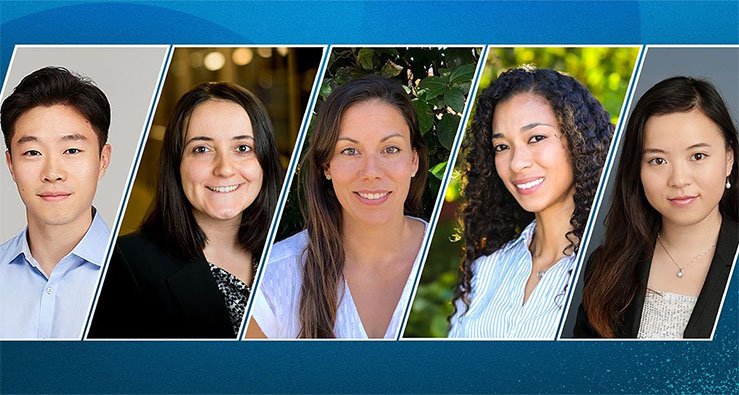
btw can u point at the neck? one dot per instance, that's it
(50, 243)
(369, 245)
(222, 236)
(552, 226)
(693, 236)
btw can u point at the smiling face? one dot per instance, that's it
(221, 175)
(372, 163)
(56, 162)
(531, 155)
(684, 166)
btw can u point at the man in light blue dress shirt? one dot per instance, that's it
(55, 125)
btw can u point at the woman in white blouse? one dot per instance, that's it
(535, 151)
(350, 273)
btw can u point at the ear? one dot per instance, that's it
(414, 164)
(729, 161)
(327, 172)
(9, 162)
(104, 160)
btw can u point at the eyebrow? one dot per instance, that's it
(73, 137)
(660, 151)
(388, 137)
(524, 128)
(26, 139)
(204, 138)
(67, 137)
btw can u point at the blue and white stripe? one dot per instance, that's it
(498, 284)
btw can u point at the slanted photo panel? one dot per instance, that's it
(664, 241)
(505, 250)
(72, 120)
(352, 234)
(206, 189)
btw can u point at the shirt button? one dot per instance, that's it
(49, 290)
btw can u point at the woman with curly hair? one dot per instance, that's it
(672, 232)
(350, 273)
(535, 151)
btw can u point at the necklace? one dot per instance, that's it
(680, 272)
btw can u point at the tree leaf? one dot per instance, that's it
(435, 86)
(365, 58)
(343, 75)
(390, 69)
(325, 89)
(425, 115)
(438, 170)
(446, 129)
(454, 99)
(462, 73)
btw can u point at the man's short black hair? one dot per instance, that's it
(56, 85)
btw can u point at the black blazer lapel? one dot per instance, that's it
(705, 312)
(197, 293)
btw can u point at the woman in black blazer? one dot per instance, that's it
(187, 273)
(672, 233)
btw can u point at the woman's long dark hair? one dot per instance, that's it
(170, 220)
(491, 216)
(324, 255)
(632, 223)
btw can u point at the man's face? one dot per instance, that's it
(55, 161)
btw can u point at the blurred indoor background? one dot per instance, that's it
(281, 77)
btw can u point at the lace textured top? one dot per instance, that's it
(665, 315)
(235, 294)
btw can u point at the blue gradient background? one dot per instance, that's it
(406, 366)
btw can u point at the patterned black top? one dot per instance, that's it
(235, 294)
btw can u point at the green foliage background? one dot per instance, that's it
(438, 81)
(604, 71)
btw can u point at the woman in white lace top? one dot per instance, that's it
(671, 234)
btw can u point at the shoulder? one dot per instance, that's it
(11, 248)
(727, 240)
(138, 243)
(290, 248)
(141, 250)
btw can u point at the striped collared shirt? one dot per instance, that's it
(498, 284)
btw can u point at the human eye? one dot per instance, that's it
(72, 151)
(500, 147)
(349, 151)
(200, 149)
(537, 138)
(31, 152)
(698, 156)
(392, 149)
(243, 149)
(657, 161)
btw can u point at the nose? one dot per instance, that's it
(372, 167)
(53, 170)
(520, 159)
(224, 166)
(680, 175)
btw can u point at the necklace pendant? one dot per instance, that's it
(680, 273)
(539, 274)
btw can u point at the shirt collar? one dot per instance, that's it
(91, 248)
(525, 237)
(93, 245)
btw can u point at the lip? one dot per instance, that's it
(224, 188)
(53, 196)
(683, 201)
(528, 185)
(372, 198)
